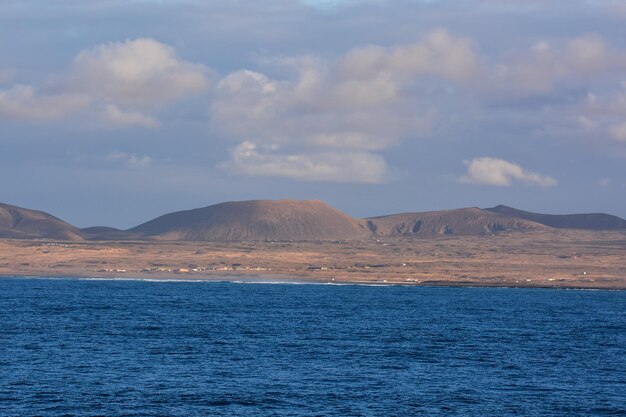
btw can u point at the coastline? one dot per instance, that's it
(572, 259)
(311, 280)
(274, 280)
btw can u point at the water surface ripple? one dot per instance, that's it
(132, 348)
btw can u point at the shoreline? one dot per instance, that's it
(565, 259)
(281, 280)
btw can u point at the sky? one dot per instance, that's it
(114, 112)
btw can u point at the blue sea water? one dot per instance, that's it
(133, 348)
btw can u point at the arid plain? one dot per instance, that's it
(555, 258)
(309, 241)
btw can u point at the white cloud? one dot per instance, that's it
(129, 118)
(140, 72)
(604, 182)
(602, 116)
(439, 53)
(22, 102)
(618, 132)
(539, 69)
(498, 172)
(572, 89)
(590, 54)
(365, 101)
(344, 166)
(139, 76)
(130, 160)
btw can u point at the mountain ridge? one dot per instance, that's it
(463, 221)
(22, 223)
(298, 220)
(588, 221)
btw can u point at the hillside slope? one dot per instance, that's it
(293, 220)
(589, 221)
(464, 221)
(256, 220)
(20, 223)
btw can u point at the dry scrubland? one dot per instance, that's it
(556, 258)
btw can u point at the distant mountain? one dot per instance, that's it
(108, 233)
(590, 221)
(292, 220)
(464, 221)
(256, 220)
(21, 223)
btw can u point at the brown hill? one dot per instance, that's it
(289, 220)
(21, 223)
(465, 221)
(589, 221)
(254, 221)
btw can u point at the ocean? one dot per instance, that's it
(71, 347)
